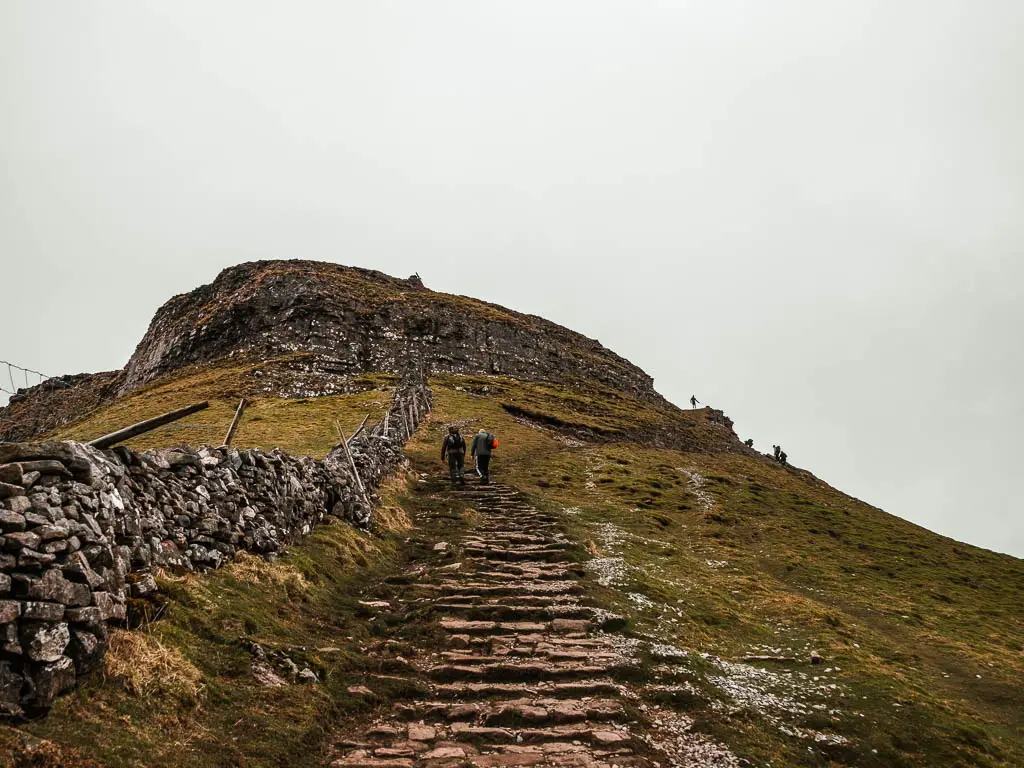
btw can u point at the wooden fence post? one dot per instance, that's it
(360, 429)
(355, 471)
(148, 425)
(234, 422)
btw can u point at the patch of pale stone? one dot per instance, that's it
(672, 733)
(610, 571)
(696, 482)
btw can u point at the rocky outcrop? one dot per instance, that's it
(34, 411)
(368, 322)
(83, 530)
(342, 319)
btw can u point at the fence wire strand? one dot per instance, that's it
(30, 419)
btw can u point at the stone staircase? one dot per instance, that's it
(528, 671)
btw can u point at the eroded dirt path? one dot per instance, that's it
(529, 672)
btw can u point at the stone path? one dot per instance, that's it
(528, 674)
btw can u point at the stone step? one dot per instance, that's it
(526, 569)
(365, 761)
(568, 643)
(561, 754)
(500, 542)
(550, 654)
(533, 546)
(597, 735)
(515, 551)
(514, 587)
(535, 711)
(528, 599)
(483, 734)
(556, 626)
(505, 613)
(513, 537)
(552, 573)
(505, 672)
(576, 689)
(478, 555)
(530, 644)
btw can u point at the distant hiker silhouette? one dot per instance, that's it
(782, 458)
(454, 450)
(749, 443)
(483, 443)
(693, 401)
(776, 449)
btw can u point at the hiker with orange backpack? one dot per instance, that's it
(483, 443)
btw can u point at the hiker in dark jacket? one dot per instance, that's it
(483, 443)
(694, 401)
(454, 450)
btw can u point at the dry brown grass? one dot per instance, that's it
(256, 570)
(389, 515)
(151, 670)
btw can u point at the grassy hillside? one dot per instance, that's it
(302, 426)
(720, 554)
(735, 556)
(181, 690)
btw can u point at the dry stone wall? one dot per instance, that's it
(83, 530)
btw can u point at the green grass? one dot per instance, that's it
(927, 631)
(305, 605)
(300, 426)
(923, 634)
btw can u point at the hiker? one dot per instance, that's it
(776, 449)
(693, 401)
(749, 442)
(782, 458)
(454, 450)
(483, 443)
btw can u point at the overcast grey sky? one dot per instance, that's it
(808, 213)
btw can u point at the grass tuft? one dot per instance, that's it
(151, 670)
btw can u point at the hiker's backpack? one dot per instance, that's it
(494, 441)
(456, 444)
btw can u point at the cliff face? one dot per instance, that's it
(366, 321)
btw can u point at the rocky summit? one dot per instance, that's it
(346, 319)
(637, 586)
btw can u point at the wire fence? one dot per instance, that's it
(25, 374)
(39, 407)
(23, 417)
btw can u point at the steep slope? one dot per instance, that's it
(732, 568)
(772, 618)
(343, 320)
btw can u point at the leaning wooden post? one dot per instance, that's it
(234, 422)
(401, 417)
(355, 472)
(356, 433)
(146, 426)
